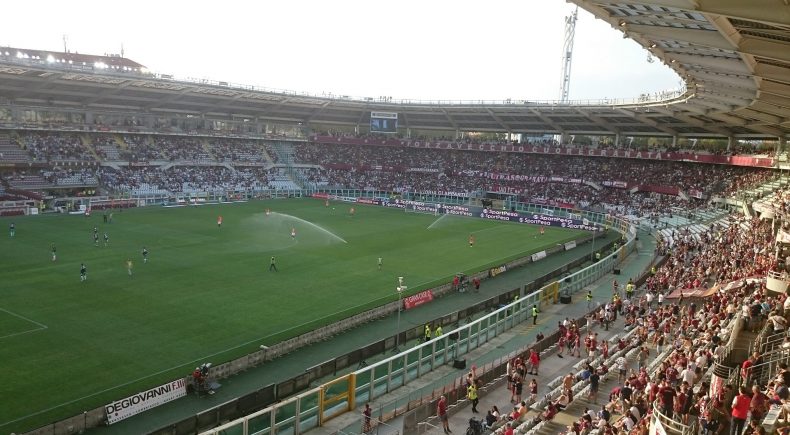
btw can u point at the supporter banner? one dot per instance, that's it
(570, 245)
(556, 150)
(418, 299)
(143, 401)
(538, 255)
(497, 270)
(783, 236)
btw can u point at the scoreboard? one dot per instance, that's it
(383, 122)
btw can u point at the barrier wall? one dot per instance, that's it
(307, 410)
(270, 394)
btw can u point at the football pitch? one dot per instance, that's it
(206, 293)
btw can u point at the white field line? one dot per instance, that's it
(203, 359)
(40, 326)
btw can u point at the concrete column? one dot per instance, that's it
(88, 117)
(730, 142)
(564, 138)
(16, 114)
(408, 133)
(617, 140)
(674, 141)
(457, 134)
(781, 146)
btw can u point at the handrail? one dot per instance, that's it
(672, 424)
(397, 370)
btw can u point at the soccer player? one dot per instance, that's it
(54, 250)
(351, 211)
(268, 212)
(471, 240)
(293, 233)
(12, 229)
(145, 255)
(381, 263)
(219, 221)
(273, 264)
(83, 272)
(129, 266)
(542, 230)
(326, 203)
(95, 239)
(106, 240)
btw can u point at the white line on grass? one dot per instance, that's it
(41, 326)
(203, 358)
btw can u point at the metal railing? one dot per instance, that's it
(312, 408)
(672, 426)
(118, 76)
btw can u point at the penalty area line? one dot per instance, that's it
(40, 326)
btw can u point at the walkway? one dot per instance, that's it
(515, 339)
(295, 363)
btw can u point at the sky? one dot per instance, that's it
(409, 49)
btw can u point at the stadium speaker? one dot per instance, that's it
(459, 364)
(616, 271)
(454, 336)
(565, 299)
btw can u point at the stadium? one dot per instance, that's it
(196, 256)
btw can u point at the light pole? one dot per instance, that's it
(592, 247)
(400, 289)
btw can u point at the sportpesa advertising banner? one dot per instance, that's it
(473, 211)
(145, 400)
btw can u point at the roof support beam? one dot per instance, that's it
(771, 109)
(450, 119)
(548, 121)
(776, 100)
(757, 115)
(499, 120)
(709, 38)
(775, 88)
(651, 122)
(772, 72)
(317, 111)
(610, 128)
(723, 64)
(765, 11)
(697, 123)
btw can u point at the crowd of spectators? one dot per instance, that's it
(671, 344)
(585, 182)
(50, 147)
(695, 147)
(186, 179)
(565, 179)
(237, 150)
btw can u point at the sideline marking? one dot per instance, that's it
(246, 343)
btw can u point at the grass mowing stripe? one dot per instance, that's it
(206, 292)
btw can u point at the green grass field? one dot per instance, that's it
(206, 293)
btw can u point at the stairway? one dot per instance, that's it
(87, 143)
(285, 156)
(262, 146)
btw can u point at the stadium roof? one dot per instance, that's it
(733, 55)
